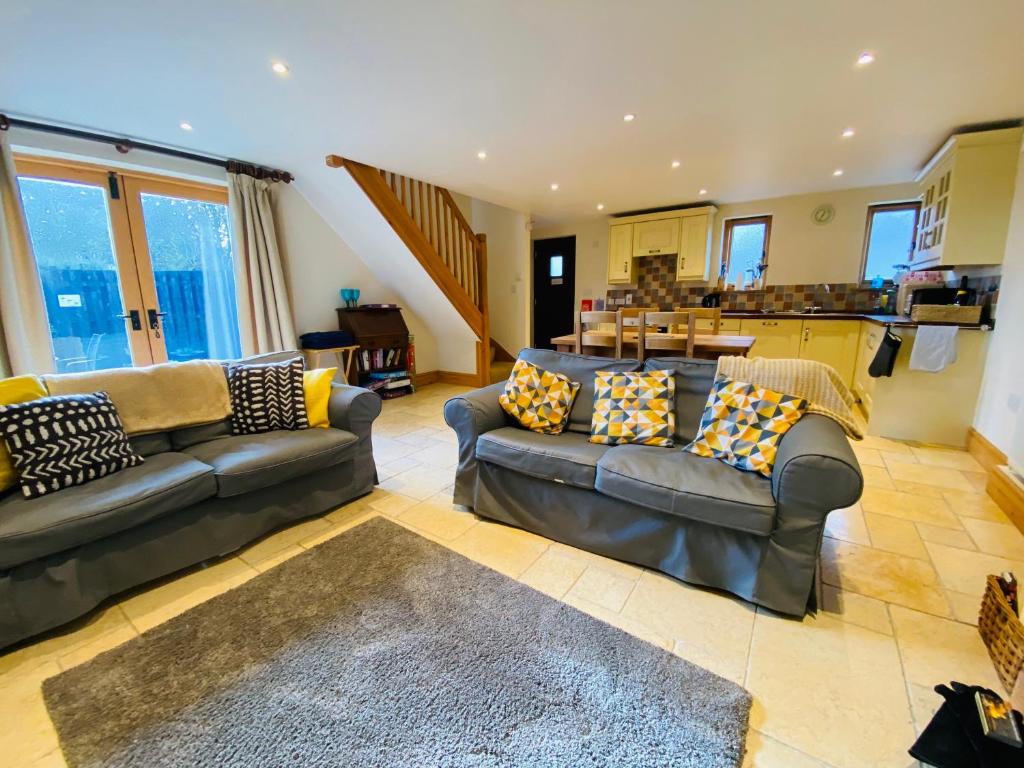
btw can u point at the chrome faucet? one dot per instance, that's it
(827, 289)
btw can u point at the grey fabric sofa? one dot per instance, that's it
(694, 518)
(200, 494)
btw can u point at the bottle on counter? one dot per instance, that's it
(961, 293)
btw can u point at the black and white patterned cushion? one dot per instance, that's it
(267, 397)
(64, 440)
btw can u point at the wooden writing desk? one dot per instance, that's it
(706, 345)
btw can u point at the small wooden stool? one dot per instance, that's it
(342, 355)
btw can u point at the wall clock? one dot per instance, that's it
(823, 214)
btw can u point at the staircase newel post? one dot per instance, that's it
(484, 348)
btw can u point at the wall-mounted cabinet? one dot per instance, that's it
(621, 264)
(653, 238)
(685, 233)
(966, 194)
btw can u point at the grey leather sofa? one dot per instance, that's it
(694, 518)
(200, 494)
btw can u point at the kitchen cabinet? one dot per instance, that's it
(833, 342)
(651, 238)
(727, 327)
(621, 264)
(775, 338)
(863, 384)
(694, 260)
(966, 194)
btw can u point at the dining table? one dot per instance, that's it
(709, 346)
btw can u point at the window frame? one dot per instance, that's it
(766, 219)
(903, 205)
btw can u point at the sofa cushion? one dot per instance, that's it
(579, 368)
(568, 458)
(243, 463)
(694, 379)
(166, 482)
(201, 433)
(150, 443)
(689, 486)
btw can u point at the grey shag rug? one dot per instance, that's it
(381, 648)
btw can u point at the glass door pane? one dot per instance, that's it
(189, 242)
(87, 295)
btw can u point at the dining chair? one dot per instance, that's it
(586, 319)
(706, 313)
(665, 342)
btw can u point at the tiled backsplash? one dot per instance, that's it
(657, 287)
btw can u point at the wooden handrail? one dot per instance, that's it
(427, 219)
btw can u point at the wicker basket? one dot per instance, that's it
(1002, 633)
(945, 313)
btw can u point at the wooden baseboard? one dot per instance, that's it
(1008, 493)
(427, 377)
(983, 451)
(454, 377)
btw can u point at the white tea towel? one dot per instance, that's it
(934, 348)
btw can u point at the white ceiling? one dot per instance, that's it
(750, 96)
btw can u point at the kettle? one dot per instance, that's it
(711, 300)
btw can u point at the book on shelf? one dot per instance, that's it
(388, 374)
(397, 383)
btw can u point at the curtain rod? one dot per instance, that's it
(124, 146)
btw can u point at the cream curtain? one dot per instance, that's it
(264, 311)
(25, 345)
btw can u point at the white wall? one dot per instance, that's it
(1000, 413)
(800, 250)
(508, 272)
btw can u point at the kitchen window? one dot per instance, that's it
(745, 249)
(889, 239)
(135, 269)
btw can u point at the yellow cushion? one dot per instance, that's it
(539, 400)
(316, 390)
(743, 424)
(634, 408)
(18, 389)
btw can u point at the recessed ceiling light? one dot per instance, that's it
(837, 172)
(185, 126)
(554, 187)
(848, 133)
(865, 58)
(600, 206)
(703, 192)
(676, 163)
(482, 154)
(280, 67)
(629, 117)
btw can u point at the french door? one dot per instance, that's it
(135, 269)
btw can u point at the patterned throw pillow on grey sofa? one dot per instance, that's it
(267, 397)
(64, 440)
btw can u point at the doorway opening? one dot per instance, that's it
(554, 289)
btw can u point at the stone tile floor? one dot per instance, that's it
(904, 571)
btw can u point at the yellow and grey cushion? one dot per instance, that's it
(634, 408)
(539, 400)
(743, 424)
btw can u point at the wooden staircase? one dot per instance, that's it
(427, 220)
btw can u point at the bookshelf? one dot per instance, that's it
(382, 361)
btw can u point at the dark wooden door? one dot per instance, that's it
(554, 289)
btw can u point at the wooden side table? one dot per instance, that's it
(343, 356)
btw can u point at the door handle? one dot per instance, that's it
(654, 250)
(133, 316)
(154, 318)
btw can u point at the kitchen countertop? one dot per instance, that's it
(896, 320)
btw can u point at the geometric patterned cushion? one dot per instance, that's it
(743, 424)
(539, 400)
(267, 396)
(634, 408)
(64, 440)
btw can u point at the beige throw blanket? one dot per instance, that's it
(156, 398)
(817, 383)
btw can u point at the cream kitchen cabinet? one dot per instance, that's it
(833, 342)
(653, 238)
(621, 264)
(863, 384)
(727, 327)
(694, 260)
(775, 338)
(966, 194)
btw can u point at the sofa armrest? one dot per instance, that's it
(471, 415)
(815, 468)
(353, 409)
